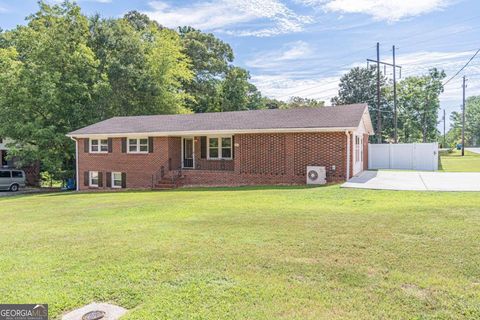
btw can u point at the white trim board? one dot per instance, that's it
(207, 132)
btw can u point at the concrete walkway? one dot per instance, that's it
(416, 181)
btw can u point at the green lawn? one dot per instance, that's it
(246, 253)
(454, 162)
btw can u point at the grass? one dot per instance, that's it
(246, 253)
(454, 162)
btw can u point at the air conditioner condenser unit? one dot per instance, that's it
(316, 175)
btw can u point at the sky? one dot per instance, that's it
(302, 47)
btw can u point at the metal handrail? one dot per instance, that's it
(158, 175)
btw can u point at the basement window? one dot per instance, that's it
(93, 179)
(116, 179)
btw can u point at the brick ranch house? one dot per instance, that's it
(259, 147)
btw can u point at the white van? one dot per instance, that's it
(11, 179)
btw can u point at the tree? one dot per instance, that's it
(299, 102)
(454, 135)
(144, 65)
(235, 90)
(419, 105)
(359, 85)
(472, 119)
(210, 58)
(49, 84)
(269, 103)
(237, 93)
(62, 72)
(140, 21)
(472, 123)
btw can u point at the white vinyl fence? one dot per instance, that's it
(408, 156)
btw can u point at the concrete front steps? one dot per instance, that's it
(167, 184)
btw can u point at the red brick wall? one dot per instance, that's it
(175, 153)
(320, 149)
(206, 164)
(262, 154)
(138, 167)
(259, 159)
(278, 159)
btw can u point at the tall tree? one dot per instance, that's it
(419, 104)
(49, 84)
(210, 58)
(472, 123)
(359, 85)
(454, 135)
(237, 93)
(472, 119)
(144, 65)
(62, 72)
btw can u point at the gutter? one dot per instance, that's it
(204, 132)
(77, 179)
(347, 133)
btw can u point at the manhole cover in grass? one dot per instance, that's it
(94, 315)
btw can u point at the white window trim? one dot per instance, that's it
(90, 174)
(113, 180)
(99, 145)
(138, 145)
(219, 147)
(358, 148)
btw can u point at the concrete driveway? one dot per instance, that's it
(416, 181)
(476, 150)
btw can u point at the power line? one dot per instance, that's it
(466, 64)
(443, 36)
(435, 30)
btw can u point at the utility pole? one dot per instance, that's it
(379, 111)
(444, 136)
(463, 119)
(395, 139)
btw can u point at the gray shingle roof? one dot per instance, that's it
(347, 116)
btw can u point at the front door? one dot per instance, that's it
(188, 152)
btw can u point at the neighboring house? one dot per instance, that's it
(259, 147)
(32, 172)
(3, 153)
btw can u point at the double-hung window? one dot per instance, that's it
(116, 179)
(220, 147)
(93, 181)
(99, 145)
(138, 145)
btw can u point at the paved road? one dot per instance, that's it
(26, 191)
(8, 193)
(416, 181)
(476, 150)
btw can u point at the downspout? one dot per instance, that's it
(77, 185)
(348, 154)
